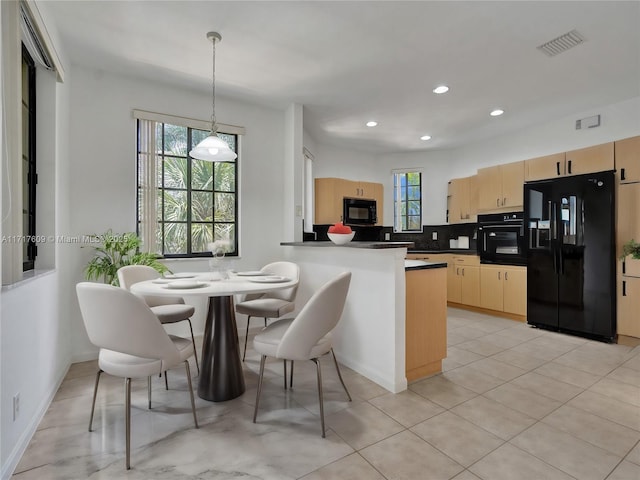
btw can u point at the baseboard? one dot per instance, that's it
(495, 313)
(628, 341)
(84, 357)
(23, 442)
(374, 376)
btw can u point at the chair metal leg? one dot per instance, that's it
(317, 362)
(166, 381)
(285, 374)
(193, 340)
(291, 376)
(127, 415)
(149, 390)
(340, 375)
(93, 404)
(193, 403)
(265, 321)
(246, 338)
(255, 412)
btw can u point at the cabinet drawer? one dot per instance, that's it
(465, 259)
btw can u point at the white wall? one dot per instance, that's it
(102, 169)
(340, 162)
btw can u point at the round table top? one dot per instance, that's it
(207, 284)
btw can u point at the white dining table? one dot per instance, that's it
(221, 376)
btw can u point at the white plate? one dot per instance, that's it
(252, 273)
(180, 275)
(162, 280)
(185, 284)
(270, 279)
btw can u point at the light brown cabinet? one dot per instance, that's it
(330, 192)
(462, 200)
(426, 322)
(463, 280)
(504, 289)
(627, 159)
(501, 188)
(598, 158)
(629, 306)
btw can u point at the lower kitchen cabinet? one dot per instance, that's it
(629, 298)
(426, 322)
(504, 288)
(463, 280)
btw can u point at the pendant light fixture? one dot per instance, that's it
(213, 148)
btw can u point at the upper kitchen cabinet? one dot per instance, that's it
(500, 188)
(541, 168)
(627, 159)
(589, 160)
(330, 192)
(462, 200)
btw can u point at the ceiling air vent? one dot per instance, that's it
(561, 43)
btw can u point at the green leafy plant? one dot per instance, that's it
(631, 248)
(115, 251)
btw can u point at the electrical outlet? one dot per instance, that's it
(434, 235)
(387, 236)
(16, 406)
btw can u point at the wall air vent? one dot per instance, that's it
(561, 43)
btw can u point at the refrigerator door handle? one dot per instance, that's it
(561, 261)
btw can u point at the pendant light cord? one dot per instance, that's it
(214, 127)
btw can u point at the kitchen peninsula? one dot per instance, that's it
(386, 310)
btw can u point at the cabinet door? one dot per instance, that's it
(489, 188)
(366, 190)
(628, 214)
(491, 294)
(515, 290)
(456, 199)
(454, 292)
(327, 208)
(472, 205)
(512, 184)
(348, 188)
(588, 160)
(629, 306)
(541, 168)
(470, 285)
(627, 159)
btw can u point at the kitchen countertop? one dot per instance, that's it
(426, 266)
(458, 251)
(371, 245)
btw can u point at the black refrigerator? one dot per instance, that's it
(570, 237)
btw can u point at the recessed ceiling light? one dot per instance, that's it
(441, 89)
(425, 137)
(497, 112)
(372, 124)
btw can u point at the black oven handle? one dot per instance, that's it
(503, 226)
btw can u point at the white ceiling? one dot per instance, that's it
(350, 62)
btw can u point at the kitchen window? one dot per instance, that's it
(29, 177)
(184, 204)
(407, 207)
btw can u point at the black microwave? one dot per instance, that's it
(358, 211)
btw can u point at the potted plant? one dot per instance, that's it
(631, 248)
(115, 251)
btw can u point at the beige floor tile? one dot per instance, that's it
(473, 379)
(511, 463)
(524, 401)
(518, 359)
(462, 356)
(494, 417)
(498, 369)
(607, 407)
(458, 438)
(626, 375)
(568, 375)
(520, 331)
(593, 429)
(481, 347)
(351, 467)
(625, 471)
(633, 363)
(407, 457)
(566, 452)
(620, 391)
(362, 425)
(537, 350)
(547, 386)
(634, 455)
(466, 475)
(442, 391)
(407, 408)
(589, 361)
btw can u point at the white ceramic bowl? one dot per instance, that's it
(341, 238)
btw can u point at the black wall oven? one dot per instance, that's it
(501, 239)
(358, 211)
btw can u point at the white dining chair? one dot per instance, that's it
(167, 309)
(306, 337)
(272, 304)
(132, 343)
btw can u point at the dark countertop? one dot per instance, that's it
(371, 245)
(427, 266)
(458, 251)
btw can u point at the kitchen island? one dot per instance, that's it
(372, 335)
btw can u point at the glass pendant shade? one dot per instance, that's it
(213, 149)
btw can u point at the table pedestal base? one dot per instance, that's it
(221, 376)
